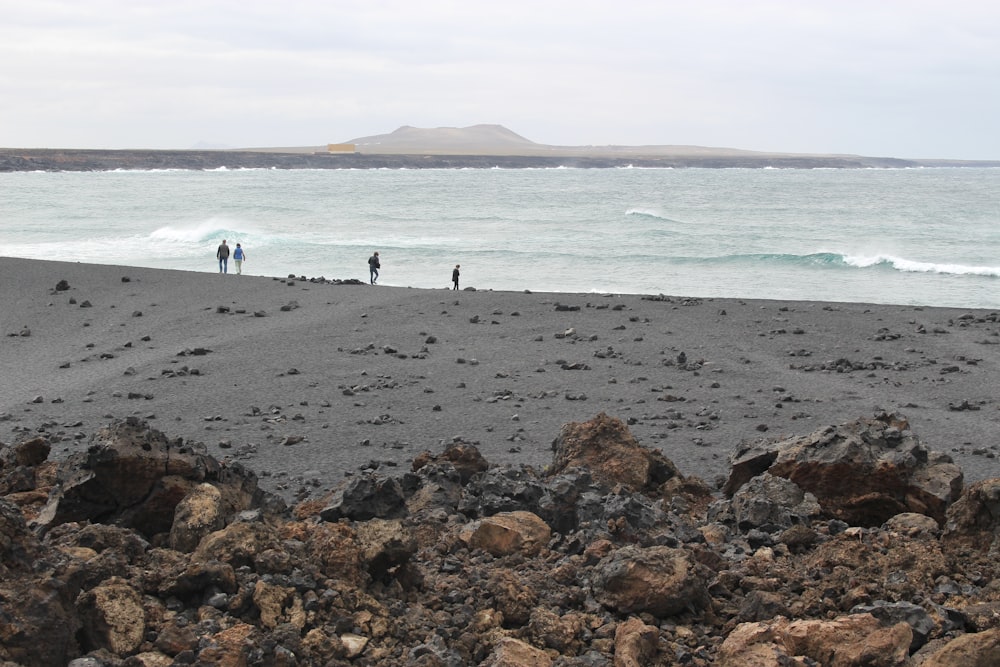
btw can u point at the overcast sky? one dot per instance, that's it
(900, 78)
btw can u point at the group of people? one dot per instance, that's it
(374, 264)
(222, 254)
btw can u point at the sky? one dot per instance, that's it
(894, 78)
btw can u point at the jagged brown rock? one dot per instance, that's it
(981, 649)
(635, 643)
(640, 572)
(508, 533)
(974, 519)
(112, 617)
(859, 639)
(657, 580)
(195, 516)
(605, 447)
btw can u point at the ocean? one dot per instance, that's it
(899, 236)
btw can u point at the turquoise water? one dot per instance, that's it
(914, 236)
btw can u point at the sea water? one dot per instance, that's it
(903, 236)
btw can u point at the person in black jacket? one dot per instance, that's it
(373, 266)
(454, 276)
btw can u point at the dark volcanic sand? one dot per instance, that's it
(356, 374)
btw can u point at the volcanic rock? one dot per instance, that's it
(767, 502)
(464, 457)
(135, 476)
(18, 544)
(112, 616)
(367, 496)
(859, 639)
(507, 533)
(981, 649)
(493, 566)
(635, 643)
(862, 472)
(384, 545)
(198, 513)
(512, 652)
(975, 516)
(657, 580)
(605, 447)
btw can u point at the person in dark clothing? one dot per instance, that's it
(373, 266)
(454, 276)
(222, 254)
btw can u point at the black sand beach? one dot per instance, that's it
(307, 381)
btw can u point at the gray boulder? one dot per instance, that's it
(368, 496)
(766, 502)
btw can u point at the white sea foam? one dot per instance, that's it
(655, 213)
(201, 232)
(649, 212)
(903, 264)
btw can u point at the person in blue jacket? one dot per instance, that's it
(238, 256)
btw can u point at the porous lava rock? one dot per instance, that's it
(462, 563)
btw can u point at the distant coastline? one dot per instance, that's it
(15, 159)
(481, 146)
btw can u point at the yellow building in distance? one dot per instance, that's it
(341, 148)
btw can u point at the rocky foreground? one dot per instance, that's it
(854, 545)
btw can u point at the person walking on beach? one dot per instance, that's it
(373, 266)
(222, 254)
(454, 276)
(238, 257)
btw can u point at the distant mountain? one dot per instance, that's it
(498, 140)
(485, 140)
(473, 140)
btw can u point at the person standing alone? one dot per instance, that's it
(222, 254)
(373, 266)
(454, 276)
(238, 257)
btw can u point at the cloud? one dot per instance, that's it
(910, 79)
